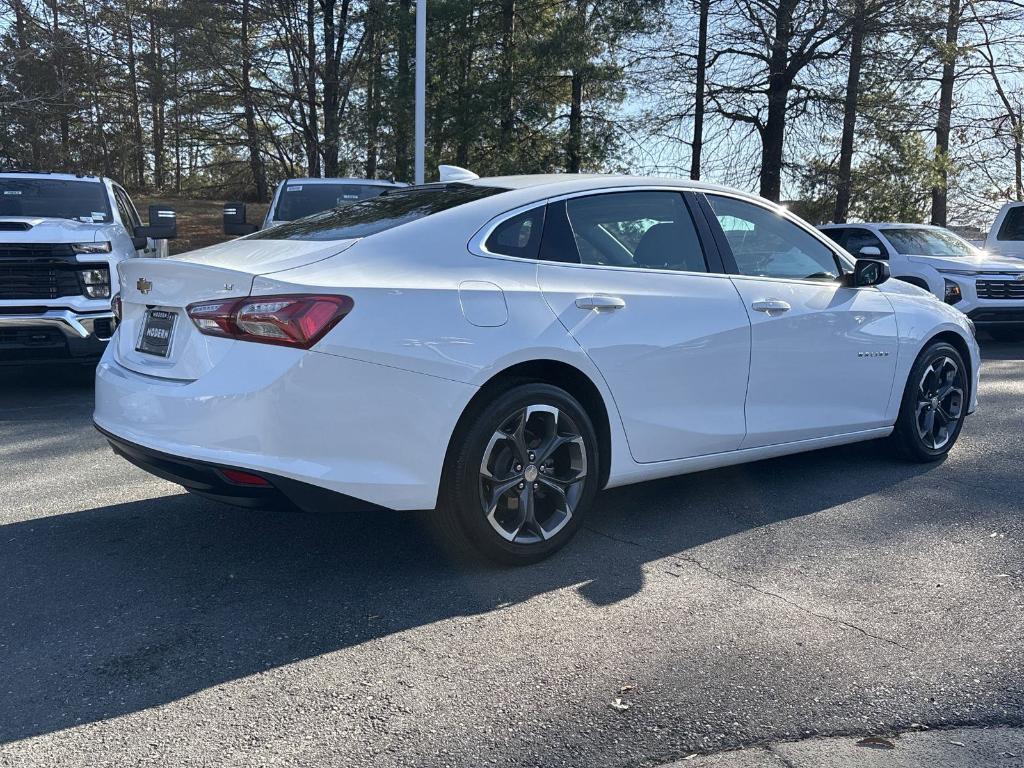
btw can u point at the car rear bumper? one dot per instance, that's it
(211, 481)
(366, 431)
(44, 335)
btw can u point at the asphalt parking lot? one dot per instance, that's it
(840, 592)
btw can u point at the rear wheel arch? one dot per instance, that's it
(556, 373)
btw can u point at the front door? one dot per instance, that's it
(823, 355)
(671, 339)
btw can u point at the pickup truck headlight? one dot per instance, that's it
(101, 247)
(96, 282)
(953, 294)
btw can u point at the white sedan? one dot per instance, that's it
(500, 349)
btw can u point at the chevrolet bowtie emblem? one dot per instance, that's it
(144, 285)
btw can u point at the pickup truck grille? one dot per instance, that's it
(1000, 289)
(38, 271)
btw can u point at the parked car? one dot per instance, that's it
(503, 348)
(61, 237)
(988, 288)
(295, 198)
(1006, 237)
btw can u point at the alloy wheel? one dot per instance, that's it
(940, 402)
(532, 474)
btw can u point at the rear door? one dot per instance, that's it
(626, 274)
(823, 356)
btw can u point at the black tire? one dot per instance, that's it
(934, 405)
(462, 515)
(1006, 334)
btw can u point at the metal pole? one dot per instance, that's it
(421, 84)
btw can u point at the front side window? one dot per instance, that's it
(1012, 228)
(920, 241)
(299, 200)
(55, 199)
(766, 244)
(386, 211)
(129, 216)
(644, 230)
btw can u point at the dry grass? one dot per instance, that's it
(200, 222)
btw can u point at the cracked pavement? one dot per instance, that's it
(841, 592)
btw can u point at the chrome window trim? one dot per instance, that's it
(477, 242)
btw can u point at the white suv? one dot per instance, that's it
(989, 289)
(61, 238)
(298, 198)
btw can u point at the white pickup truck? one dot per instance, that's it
(61, 238)
(1006, 237)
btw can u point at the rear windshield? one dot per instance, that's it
(298, 200)
(913, 241)
(368, 217)
(55, 199)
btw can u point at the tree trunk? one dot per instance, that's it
(138, 150)
(850, 113)
(376, 46)
(940, 190)
(699, 87)
(508, 75)
(252, 135)
(156, 91)
(403, 111)
(312, 129)
(773, 134)
(332, 116)
(575, 147)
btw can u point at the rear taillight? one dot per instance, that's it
(293, 321)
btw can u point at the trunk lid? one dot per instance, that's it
(163, 288)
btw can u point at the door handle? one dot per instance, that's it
(771, 305)
(600, 302)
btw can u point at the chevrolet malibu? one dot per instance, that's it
(498, 350)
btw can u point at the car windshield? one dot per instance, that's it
(84, 200)
(917, 241)
(386, 211)
(298, 199)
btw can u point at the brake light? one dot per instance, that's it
(293, 321)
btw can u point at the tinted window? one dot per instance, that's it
(1013, 225)
(518, 236)
(129, 216)
(765, 244)
(299, 200)
(367, 217)
(858, 238)
(649, 230)
(919, 241)
(55, 199)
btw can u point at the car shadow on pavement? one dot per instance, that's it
(112, 610)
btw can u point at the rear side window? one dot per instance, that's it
(518, 236)
(1013, 225)
(643, 230)
(368, 217)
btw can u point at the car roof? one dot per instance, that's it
(343, 180)
(880, 224)
(49, 175)
(559, 183)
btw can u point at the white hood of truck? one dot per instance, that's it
(54, 231)
(982, 262)
(261, 257)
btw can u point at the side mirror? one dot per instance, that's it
(868, 272)
(234, 220)
(871, 252)
(163, 224)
